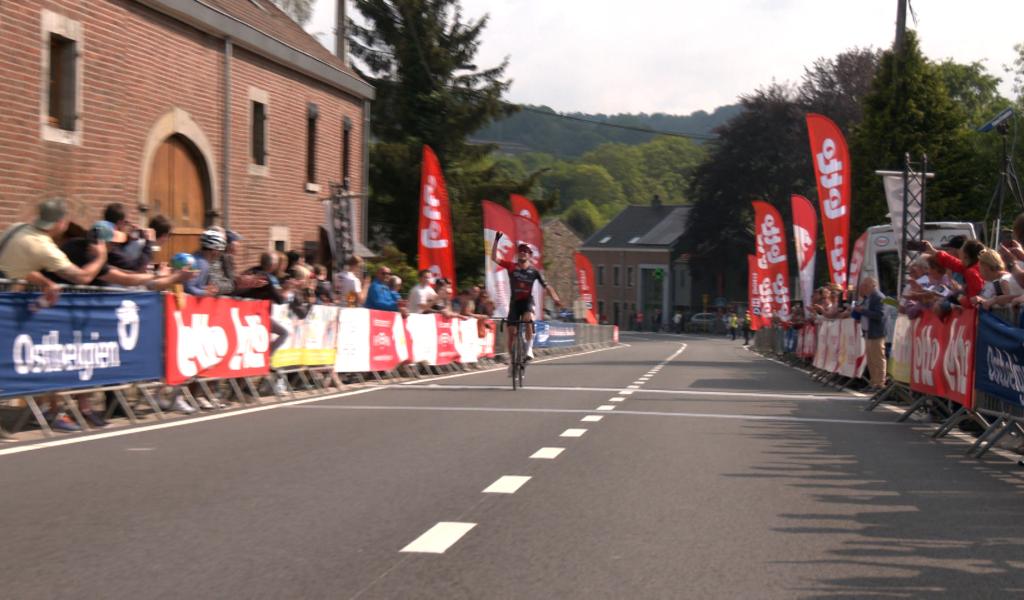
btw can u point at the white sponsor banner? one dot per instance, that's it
(353, 341)
(893, 185)
(423, 334)
(467, 340)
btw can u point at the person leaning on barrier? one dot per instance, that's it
(378, 295)
(966, 264)
(1000, 287)
(268, 287)
(211, 245)
(28, 249)
(79, 251)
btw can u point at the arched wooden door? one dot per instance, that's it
(178, 189)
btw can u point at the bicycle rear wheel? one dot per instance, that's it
(522, 359)
(514, 358)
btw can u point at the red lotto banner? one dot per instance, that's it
(805, 239)
(831, 160)
(498, 219)
(436, 246)
(523, 207)
(433, 338)
(370, 340)
(215, 337)
(857, 260)
(585, 283)
(772, 258)
(942, 355)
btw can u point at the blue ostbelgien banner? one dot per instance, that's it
(553, 334)
(85, 340)
(999, 359)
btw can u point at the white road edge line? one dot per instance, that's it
(507, 484)
(547, 453)
(439, 538)
(573, 433)
(181, 423)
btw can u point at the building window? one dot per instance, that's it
(600, 274)
(312, 114)
(629, 276)
(61, 100)
(346, 151)
(259, 133)
(615, 275)
(600, 310)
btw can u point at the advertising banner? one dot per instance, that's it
(757, 320)
(311, 342)
(857, 261)
(553, 334)
(529, 233)
(805, 239)
(772, 258)
(999, 366)
(902, 346)
(85, 340)
(215, 337)
(436, 244)
(467, 340)
(524, 207)
(831, 160)
(497, 218)
(585, 284)
(370, 340)
(893, 186)
(851, 349)
(942, 356)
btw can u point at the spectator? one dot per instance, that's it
(422, 295)
(269, 289)
(734, 324)
(125, 250)
(347, 284)
(28, 249)
(872, 323)
(1000, 287)
(209, 271)
(322, 291)
(484, 305)
(395, 283)
(677, 322)
(443, 302)
(746, 328)
(966, 265)
(230, 257)
(378, 294)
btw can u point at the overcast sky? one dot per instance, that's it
(679, 56)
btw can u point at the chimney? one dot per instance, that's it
(339, 30)
(656, 201)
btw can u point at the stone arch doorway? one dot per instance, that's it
(178, 179)
(179, 189)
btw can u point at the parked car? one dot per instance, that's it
(703, 322)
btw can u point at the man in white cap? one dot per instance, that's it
(28, 249)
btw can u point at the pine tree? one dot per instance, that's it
(419, 55)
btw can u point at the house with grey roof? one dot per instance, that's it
(640, 272)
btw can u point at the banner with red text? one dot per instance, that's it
(497, 218)
(772, 258)
(942, 361)
(436, 244)
(215, 337)
(831, 160)
(805, 239)
(585, 284)
(370, 340)
(857, 261)
(757, 318)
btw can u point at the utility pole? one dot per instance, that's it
(339, 30)
(901, 25)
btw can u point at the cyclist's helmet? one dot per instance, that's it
(213, 239)
(524, 248)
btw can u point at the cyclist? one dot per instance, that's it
(521, 275)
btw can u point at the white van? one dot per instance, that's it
(882, 250)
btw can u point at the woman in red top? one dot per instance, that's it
(966, 265)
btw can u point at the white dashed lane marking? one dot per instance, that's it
(615, 399)
(507, 484)
(606, 407)
(592, 418)
(573, 433)
(547, 453)
(439, 538)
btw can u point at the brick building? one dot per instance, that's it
(560, 246)
(639, 266)
(208, 111)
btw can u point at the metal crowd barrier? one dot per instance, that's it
(995, 417)
(130, 397)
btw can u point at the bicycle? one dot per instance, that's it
(517, 353)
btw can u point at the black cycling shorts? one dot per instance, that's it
(518, 307)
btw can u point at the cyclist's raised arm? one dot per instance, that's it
(494, 246)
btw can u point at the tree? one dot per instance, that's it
(837, 86)
(574, 181)
(584, 218)
(419, 55)
(299, 10)
(910, 109)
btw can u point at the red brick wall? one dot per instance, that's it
(139, 65)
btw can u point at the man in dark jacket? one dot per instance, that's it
(872, 323)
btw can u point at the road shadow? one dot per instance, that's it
(902, 516)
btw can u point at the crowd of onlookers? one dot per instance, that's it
(115, 252)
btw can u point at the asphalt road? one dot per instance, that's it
(712, 473)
